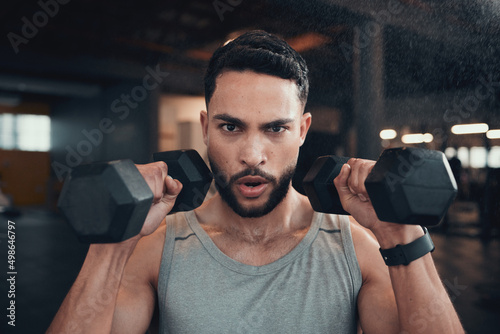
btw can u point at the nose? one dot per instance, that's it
(252, 153)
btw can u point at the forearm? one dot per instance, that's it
(422, 302)
(89, 305)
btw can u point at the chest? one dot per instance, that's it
(310, 292)
(257, 253)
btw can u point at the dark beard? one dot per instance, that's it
(224, 187)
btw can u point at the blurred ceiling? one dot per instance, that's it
(430, 45)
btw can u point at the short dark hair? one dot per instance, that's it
(260, 52)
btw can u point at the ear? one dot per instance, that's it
(305, 123)
(204, 125)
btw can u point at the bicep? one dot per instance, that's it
(377, 307)
(136, 300)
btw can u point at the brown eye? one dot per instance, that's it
(229, 127)
(277, 129)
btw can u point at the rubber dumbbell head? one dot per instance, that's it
(318, 184)
(105, 202)
(189, 168)
(411, 186)
(108, 202)
(406, 186)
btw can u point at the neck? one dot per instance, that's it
(293, 213)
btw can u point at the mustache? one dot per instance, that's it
(252, 172)
(223, 180)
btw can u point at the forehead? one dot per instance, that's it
(249, 94)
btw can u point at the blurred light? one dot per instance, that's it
(33, 132)
(417, 138)
(463, 129)
(307, 41)
(234, 34)
(450, 152)
(478, 157)
(7, 136)
(428, 138)
(25, 132)
(493, 134)
(494, 157)
(388, 134)
(463, 156)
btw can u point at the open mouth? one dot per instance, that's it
(252, 186)
(252, 181)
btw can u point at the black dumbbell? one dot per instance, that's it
(109, 201)
(406, 186)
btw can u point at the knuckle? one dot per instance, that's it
(369, 163)
(160, 166)
(352, 161)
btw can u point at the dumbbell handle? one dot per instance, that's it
(334, 206)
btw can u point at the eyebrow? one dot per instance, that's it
(230, 119)
(240, 123)
(277, 122)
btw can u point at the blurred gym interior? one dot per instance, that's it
(85, 81)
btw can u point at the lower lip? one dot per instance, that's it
(252, 192)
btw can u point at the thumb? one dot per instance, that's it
(341, 181)
(160, 209)
(172, 190)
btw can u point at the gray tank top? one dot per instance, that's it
(312, 289)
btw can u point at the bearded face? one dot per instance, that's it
(253, 179)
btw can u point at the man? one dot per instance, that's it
(256, 258)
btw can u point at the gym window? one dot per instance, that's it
(24, 132)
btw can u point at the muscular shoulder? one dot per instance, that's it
(146, 258)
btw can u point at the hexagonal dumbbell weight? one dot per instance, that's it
(188, 167)
(109, 201)
(406, 186)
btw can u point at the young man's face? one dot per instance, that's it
(253, 131)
